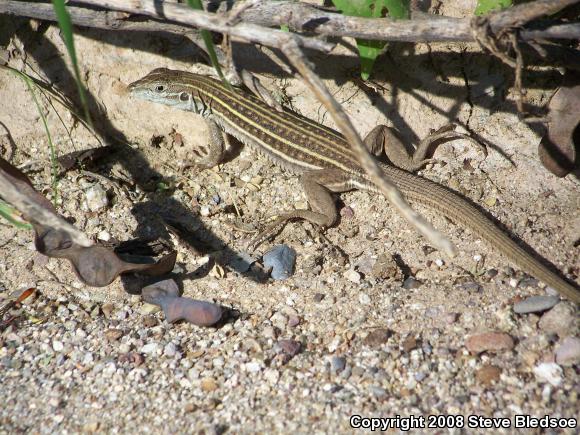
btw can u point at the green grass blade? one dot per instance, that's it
(206, 36)
(65, 25)
(9, 213)
(31, 85)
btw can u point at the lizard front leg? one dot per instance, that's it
(385, 140)
(318, 187)
(210, 154)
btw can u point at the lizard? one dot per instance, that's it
(325, 161)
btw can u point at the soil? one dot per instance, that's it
(381, 317)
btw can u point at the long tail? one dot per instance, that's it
(463, 212)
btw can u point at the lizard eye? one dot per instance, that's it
(159, 88)
(184, 96)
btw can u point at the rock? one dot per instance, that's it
(279, 320)
(489, 341)
(352, 276)
(271, 375)
(409, 344)
(411, 283)
(377, 337)
(96, 197)
(535, 304)
(549, 372)
(57, 345)
(150, 348)
(113, 334)
(559, 320)
(149, 308)
(107, 310)
(488, 374)
(208, 385)
(150, 321)
(318, 297)
(253, 367)
(337, 364)
(289, 347)
(281, 259)
(386, 268)
(170, 350)
(568, 351)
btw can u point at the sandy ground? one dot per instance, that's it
(372, 341)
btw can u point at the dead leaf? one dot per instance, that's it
(558, 148)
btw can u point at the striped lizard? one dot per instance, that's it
(324, 160)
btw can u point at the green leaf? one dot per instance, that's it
(206, 36)
(370, 49)
(485, 6)
(65, 24)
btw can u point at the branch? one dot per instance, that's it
(308, 18)
(191, 17)
(38, 214)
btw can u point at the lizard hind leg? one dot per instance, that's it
(383, 140)
(318, 187)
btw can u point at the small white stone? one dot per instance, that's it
(253, 367)
(364, 299)
(549, 372)
(104, 235)
(150, 348)
(271, 375)
(170, 349)
(96, 197)
(88, 358)
(352, 275)
(204, 211)
(58, 346)
(513, 282)
(439, 262)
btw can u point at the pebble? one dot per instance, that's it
(113, 334)
(170, 350)
(57, 345)
(377, 337)
(279, 320)
(104, 236)
(535, 304)
(559, 320)
(352, 276)
(318, 297)
(281, 259)
(337, 364)
(271, 375)
(96, 197)
(150, 321)
(549, 372)
(489, 341)
(149, 308)
(253, 367)
(208, 384)
(150, 348)
(378, 391)
(107, 310)
(488, 374)
(568, 351)
(364, 299)
(411, 283)
(289, 347)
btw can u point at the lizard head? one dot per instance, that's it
(169, 87)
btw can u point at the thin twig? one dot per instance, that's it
(391, 192)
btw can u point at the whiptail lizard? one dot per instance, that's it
(324, 159)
